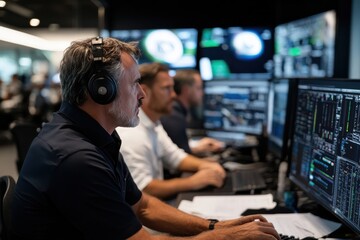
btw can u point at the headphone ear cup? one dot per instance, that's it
(102, 88)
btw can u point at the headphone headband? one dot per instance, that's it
(97, 49)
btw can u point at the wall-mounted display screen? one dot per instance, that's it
(305, 47)
(175, 47)
(236, 106)
(236, 53)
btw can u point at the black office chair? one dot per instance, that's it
(23, 133)
(7, 186)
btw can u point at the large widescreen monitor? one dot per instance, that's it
(306, 47)
(325, 153)
(280, 111)
(235, 108)
(175, 47)
(236, 53)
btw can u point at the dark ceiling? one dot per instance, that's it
(52, 13)
(147, 14)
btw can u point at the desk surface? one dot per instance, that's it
(342, 233)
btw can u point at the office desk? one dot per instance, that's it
(309, 206)
(226, 189)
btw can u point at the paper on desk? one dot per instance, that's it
(188, 206)
(226, 207)
(302, 225)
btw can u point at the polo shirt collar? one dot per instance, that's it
(88, 125)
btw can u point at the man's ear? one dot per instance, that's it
(146, 89)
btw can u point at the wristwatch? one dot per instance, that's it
(212, 223)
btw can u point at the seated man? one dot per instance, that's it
(188, 87)
(74, 184)
(147, 148)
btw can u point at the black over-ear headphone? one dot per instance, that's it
(101, 86)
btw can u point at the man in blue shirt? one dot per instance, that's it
(75, 185)
(188, 87)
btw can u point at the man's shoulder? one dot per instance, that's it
(64, 138)
(175, 115)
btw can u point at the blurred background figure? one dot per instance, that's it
(11, 103)
(45, 97)
(2, 89)
(38, 102)
(12, 94)
(188, 87)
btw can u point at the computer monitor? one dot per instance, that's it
(236, 53)
(175, 47)
(325, 149)
(280, 105)
(235, 108)
(305, 47)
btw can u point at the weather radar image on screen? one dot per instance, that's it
(236, 53)
(175, 47)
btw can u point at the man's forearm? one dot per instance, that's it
(190, 163)
(162, 217)
(167, 188)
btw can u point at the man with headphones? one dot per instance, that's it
(75, 185)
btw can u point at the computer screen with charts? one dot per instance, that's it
(306, 47)
(235, 108)
(175, 47)
(236, 53)
(280, 105)
(325, 156)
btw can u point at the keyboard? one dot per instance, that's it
(246, 180)
(286, 237)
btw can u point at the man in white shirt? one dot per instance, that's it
(147, 148)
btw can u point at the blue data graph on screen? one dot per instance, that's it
(235, 106)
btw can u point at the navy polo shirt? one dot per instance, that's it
(175, 124)
(74, 183)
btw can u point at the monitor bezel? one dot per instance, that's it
(282, 152)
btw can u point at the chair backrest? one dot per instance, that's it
(7, 187)
(23, 133)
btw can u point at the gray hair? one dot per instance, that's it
(77, 66)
